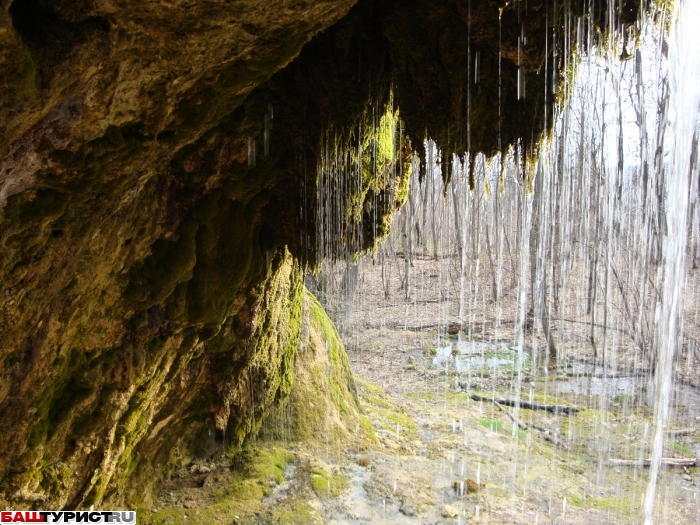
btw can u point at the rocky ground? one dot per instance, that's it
(439, 457)
(434, 454)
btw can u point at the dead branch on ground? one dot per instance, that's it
(668, 462)
(546, 434)
(556, 409)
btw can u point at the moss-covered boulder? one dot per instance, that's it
(323, 406)
(320, 416)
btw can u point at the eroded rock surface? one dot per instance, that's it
(150, 266)
(146, 306)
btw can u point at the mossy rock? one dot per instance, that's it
(383, 410)
(255, 472)
(323, 402)
(327, 485)
(267, 464)
(298, 513)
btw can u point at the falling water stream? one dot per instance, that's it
(684, 98)
(575, 267)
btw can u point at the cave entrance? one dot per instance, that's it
(533, 317)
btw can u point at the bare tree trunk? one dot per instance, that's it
(593, 257)
(427, 183)
(386, 278)
(406, 242)
(435, 224)
(660, 224)
(538, 265)
(494, 287)
(641, 123)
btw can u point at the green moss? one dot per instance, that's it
(24, 82)
(612, 503)
(399, 418)
(424, 395)
(58, 404)
(27, 479)
(323, 403)
(298, 513)
(384, 411)
(575, 500)
(96, 494)
(257, 470)
(376, 155)
(327, 485)
(192, 278)
(367, 427)
(267, 465)
(38, 433)
(682, 450)
(18, 80)
(492, 424)
(547, 399)
(56, 478)
(377, 401)
(10, 361)
(367, 387)
(270, 351)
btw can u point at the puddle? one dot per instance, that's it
(592, 382)
(597, 386)
(464, 356)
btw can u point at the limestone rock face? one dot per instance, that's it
(158, 205)
(146, 310)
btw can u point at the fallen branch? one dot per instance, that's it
(637, 373)
(680, 432)
(669, 462)
(450, 328)
(556, 409)
(546, 434)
